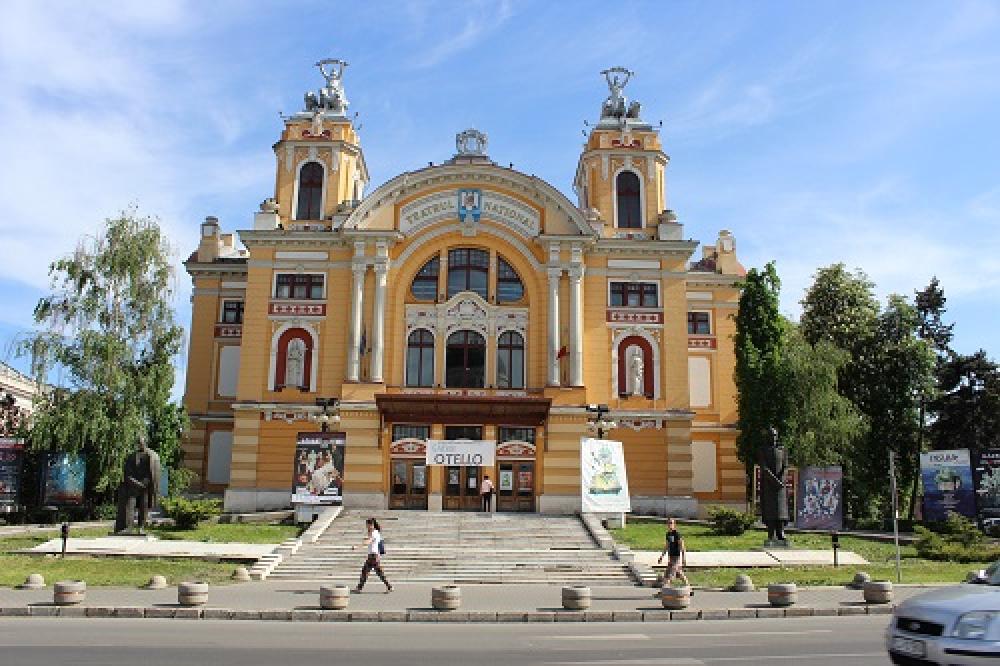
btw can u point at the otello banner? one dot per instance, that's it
(986, 475)
(947, 477)
(603, 482)
(461, 452)
(820, 505)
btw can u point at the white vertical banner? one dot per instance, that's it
(603, 482)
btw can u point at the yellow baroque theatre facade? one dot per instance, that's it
(464, 300)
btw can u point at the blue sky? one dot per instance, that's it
(816, 132)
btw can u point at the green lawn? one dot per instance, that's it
(130, 571)
(648, 535)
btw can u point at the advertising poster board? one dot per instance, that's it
(506, 479)
(319, 468)
(603, 483)
(819, 504)
(461, 452)
(11, 460)
(63, 479)
(947, 478)
(986, 475)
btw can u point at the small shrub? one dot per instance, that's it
(957, 539)
(186, 513)
(730, 521)
(179, 481)
(106, 511)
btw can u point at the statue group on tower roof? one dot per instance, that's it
(616, 105)
(331, 97)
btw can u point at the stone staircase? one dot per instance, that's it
(466, 548)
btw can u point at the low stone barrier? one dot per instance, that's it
(781, 595)
(32, 582)
(859, 581)
(576, 597)
(446, 597)
(743, 583)
(156, 582)
(334, 597)
(675, 598)
(192, 594)
(878, 592)
(69, 592)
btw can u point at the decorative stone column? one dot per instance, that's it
(354, 339)
(378, 323)
(554, 275)
(576, 325)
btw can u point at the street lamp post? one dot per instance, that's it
(330, 407)
(600, 420)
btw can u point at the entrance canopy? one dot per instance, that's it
(491, 410)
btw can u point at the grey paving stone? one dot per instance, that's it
(742, 613)
(770, 612)
(307, 615)
(422, 616)
(685, 615)
(800, 611)
(72, 611)
(453, 616)
(43, 611)
(364, 616)
(598, 616)
(540, 616)
(216, 614)
(244, 614)
(187, 613)
(276, 615)
(570, 616)
(628, 616)
(154, 612)
(100, 611)
(851, 610)
(825, 612)
(395, 616)
(656, 616)
(482, 616)
(336, 616)
(508, 616)
(881, 609)
(715, 614)
(14, 611)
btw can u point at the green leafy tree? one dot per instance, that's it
(759, 343)
(108, 330)
(967, 411)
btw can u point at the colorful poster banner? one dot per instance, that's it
(947, 477)
(11, 461)
(319, 468)
(507, 479)
(461, 452)
(986, 475)
(820, 499)
(604, 484)
(63, 479)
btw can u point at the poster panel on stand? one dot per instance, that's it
(603, 483)
(63, 479)
(319, 468)
(11, 461)
(820, 499)
(986, 475)
(947, 478)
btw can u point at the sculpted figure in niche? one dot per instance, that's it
(295, 359)
(637, 367)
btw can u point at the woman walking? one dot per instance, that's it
(373, 541)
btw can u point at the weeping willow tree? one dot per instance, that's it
(107, 332)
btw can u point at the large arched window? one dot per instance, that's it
(425, 284)
(635, 367)
(420, 358)
(310, 202)
(510, 289)
(468, 270)
(465, 360)
(293, 362)
(629, 200)
(510, 361)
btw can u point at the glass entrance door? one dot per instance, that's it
(461, 488)
(409, 485)
(516, 486)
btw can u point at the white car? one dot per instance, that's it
(950, 626)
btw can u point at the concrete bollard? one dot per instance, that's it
(334, 597)
(240, 574)
(69, 592)
(576, 597)
(742, 584)
(859, 581)
(781, 595)
(32, 582)
(156, 582)
(446, 597)
(192, 594)
(675, 598)
(878, 592)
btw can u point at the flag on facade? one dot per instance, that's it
(563, 352)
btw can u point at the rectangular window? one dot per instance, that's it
(232, 312)
(634, 294)
(699, 323)
(404, 431)
(302, 286)
(511, 434)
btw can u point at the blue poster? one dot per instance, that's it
(63, 479)
(948, 487)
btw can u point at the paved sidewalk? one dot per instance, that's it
(141, 547)
(701, 559)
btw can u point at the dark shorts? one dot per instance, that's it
(673, 566)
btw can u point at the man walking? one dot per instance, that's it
(486, 491)
(677, 555)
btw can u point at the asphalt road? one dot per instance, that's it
(106, 642)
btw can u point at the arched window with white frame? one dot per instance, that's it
(510, 361)
(420, 358)
(309, 205)
(628, 200)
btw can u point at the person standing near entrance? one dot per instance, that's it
(486, 491)
(376, 549)
(677, 555)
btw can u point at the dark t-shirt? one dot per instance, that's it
(673, 543)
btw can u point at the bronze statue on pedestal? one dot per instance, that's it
(773, 463)
(139, 489)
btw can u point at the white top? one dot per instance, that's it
(487, 486)
(376, 538)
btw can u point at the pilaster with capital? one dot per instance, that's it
(378, 322)
(576, 325)
(358, 268)
(554, 275)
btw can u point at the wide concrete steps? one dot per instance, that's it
(469, 548)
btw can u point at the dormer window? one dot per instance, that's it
(628, 195)
(309, 205)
